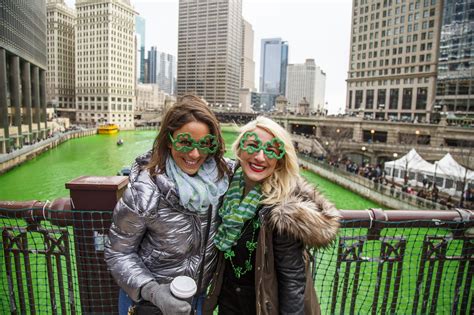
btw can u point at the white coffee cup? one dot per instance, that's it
(183, 287)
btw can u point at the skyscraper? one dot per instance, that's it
(105, 62)
(455, 84)
(162, 70)
(23, 66)
(60, 84)
(209, 49)
(392, 65)
(247, 67)
(273, 66)
(306, 81)
(140, 30)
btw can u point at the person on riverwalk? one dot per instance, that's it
(164, 224)
(270, 217)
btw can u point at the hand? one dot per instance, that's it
(160, 295)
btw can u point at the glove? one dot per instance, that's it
(160, 295)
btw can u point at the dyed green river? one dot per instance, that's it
(44, 177)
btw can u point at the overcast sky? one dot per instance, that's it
(317, 29)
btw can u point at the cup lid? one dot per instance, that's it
(183, 287)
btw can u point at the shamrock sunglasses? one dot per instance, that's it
(273, 149)
(184, 143)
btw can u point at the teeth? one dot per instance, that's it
(190, 162)
(258, 167)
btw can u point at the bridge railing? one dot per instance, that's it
(382, 261)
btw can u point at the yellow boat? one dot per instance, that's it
(108, 129)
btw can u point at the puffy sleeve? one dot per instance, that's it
(290, 270)
(125, 235)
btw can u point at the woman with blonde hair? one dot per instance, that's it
(269, 217)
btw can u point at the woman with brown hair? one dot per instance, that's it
(164, 224)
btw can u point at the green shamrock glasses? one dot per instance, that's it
(184, 143)
(273, 149)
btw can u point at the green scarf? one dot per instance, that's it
(235, 212)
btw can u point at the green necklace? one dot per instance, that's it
(251, 246)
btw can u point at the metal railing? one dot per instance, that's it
(394, 261)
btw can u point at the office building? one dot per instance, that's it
(393, 59)
(209, 50)
(23, 64)
(60, 84)
(247, 67)
(273, 66)
(162, 70)
(455, 84)
(306, 81)
(140, 32)
(105, 62)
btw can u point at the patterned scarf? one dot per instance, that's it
(197, 192)
(235, 212)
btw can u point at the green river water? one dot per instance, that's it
(45, 176)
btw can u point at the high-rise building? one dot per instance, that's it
(140, 31)
(273, 66)
(162, 70)
(23, 64)
(60, 84)
(105, 62)
(392, 65)
(209, 49)
(307, 81)
(247, 68)
(455, 84)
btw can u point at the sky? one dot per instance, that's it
(314, 29)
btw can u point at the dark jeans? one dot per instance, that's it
(236, 300)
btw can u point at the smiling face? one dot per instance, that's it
(257, 166)
(191, 161)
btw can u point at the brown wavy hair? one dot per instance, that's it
(187, 109)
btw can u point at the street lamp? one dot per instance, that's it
(395, 155)
(417, 133)
(372, 133)
(363, 154)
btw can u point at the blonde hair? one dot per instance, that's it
(277, 186)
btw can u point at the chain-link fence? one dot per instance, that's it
(51, 262)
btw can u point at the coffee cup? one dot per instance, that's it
(183, 287)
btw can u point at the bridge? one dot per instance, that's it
(373, 140)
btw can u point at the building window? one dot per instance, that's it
(393, 104)
(407, 96)
(369, 99)
(421, 96)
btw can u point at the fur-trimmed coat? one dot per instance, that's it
(283, 282)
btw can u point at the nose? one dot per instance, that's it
(260, 155)
(194, 153)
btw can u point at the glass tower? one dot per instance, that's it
(455, 84)
(273, 66)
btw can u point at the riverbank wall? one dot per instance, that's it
(28, 152)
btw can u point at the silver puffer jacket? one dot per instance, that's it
(153, 237)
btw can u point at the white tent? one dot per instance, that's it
(411, 162)
(453, 169)
(454, 173)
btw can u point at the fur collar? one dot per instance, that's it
(307, 216)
